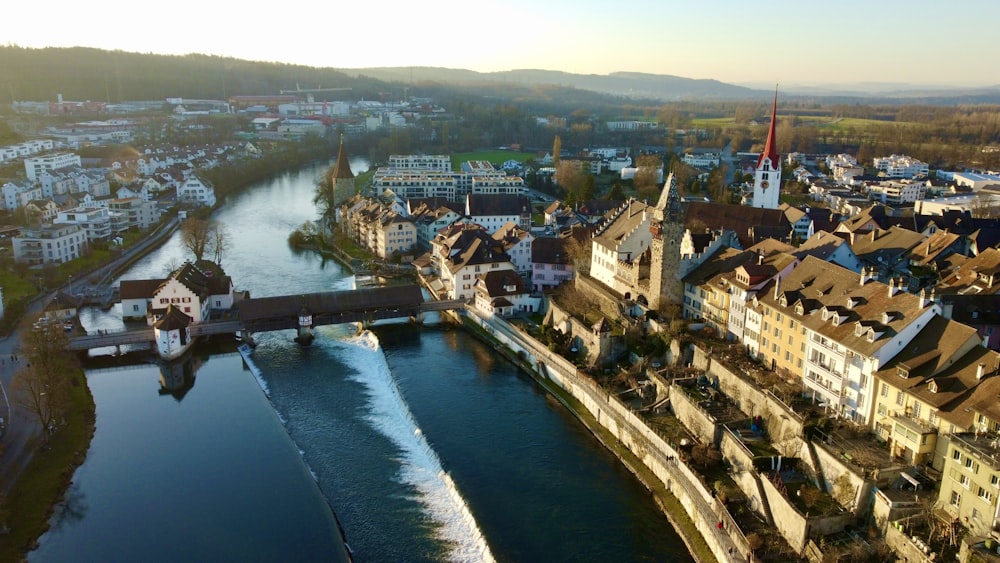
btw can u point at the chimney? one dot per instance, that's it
(866, 275)
(893, 289)
(777, 286)
(925, 298)
(980, 370)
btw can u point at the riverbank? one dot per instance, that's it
(668, 503)
(43, 485)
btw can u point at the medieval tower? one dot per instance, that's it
(341, 178)
(665, 247)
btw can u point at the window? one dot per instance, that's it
(885, 390)
(916, 409)
(985, 494)
(899, 398)
(956, 455)
(995, 480)
(955, 499)
(963, 480)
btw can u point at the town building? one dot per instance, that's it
(196, 191)
(51, 244)
(461, 253)
(35, 165)
(900, 166)
(551, 263)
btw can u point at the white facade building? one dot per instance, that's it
(901, 166)
(33, 166)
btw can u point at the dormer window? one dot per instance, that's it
(859, 330)
(932, 386)
(783, 301)
(887, 317)
(824, 313)
(799, 309)
(852, 302)
(903, 372)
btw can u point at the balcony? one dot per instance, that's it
(825, 367)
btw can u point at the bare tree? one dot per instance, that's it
(42, 386)
(195, 236)
(219, 242)
(205, 238)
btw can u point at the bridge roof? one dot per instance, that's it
(263, 308)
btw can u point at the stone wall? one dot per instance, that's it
(784, 426)
(703, 425)
(652, 450)
(598, 349)
(833, 470)
(602, 297)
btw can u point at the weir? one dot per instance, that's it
(302, 312)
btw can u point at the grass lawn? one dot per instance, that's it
(495, 156)
(46, 478)
(713, 121)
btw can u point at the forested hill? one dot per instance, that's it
(81, 73)
(92, 74)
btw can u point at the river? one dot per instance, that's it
(426, 443)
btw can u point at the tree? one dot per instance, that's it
(570, 177)
(587, 191)
(647, 174)
(42, 386)
(616, 193)
(195, 236)
(204, 237)
(556, 150)
(220, 241)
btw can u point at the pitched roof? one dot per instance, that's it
(976, 276)
(621, 222)
(550, 250)
(342, 168)
(940, 352)
(138, 289)
(771, 146)
(740, 219)
(501, 283)
(835, 303)
(172, 319)
(478, 205)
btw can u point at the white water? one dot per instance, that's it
(245, 350)
(421, 466)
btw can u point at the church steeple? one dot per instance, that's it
(771, 147)
(767, 177)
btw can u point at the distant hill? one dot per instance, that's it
(661, 87)
(80, 73)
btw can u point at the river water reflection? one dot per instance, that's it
(427, 445)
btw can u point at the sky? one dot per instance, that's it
(800, 42)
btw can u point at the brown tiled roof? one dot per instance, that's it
(737, 218)
(498, 283)
(138, 289)
(941, 352)
(173, 319)
(550, 250)
(818, 285)
(977, 276)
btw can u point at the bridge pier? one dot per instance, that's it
(305, 335)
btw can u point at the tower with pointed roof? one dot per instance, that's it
(767, 177)
(341, 178)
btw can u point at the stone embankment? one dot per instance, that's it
(630, 431)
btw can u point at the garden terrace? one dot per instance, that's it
(853, 444)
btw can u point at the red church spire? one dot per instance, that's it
(771, 148)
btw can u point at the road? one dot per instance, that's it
(23, 433)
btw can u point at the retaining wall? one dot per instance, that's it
(659, 457)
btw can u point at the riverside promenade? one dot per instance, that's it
(22, 433)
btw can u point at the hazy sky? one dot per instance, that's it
(738, 41)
